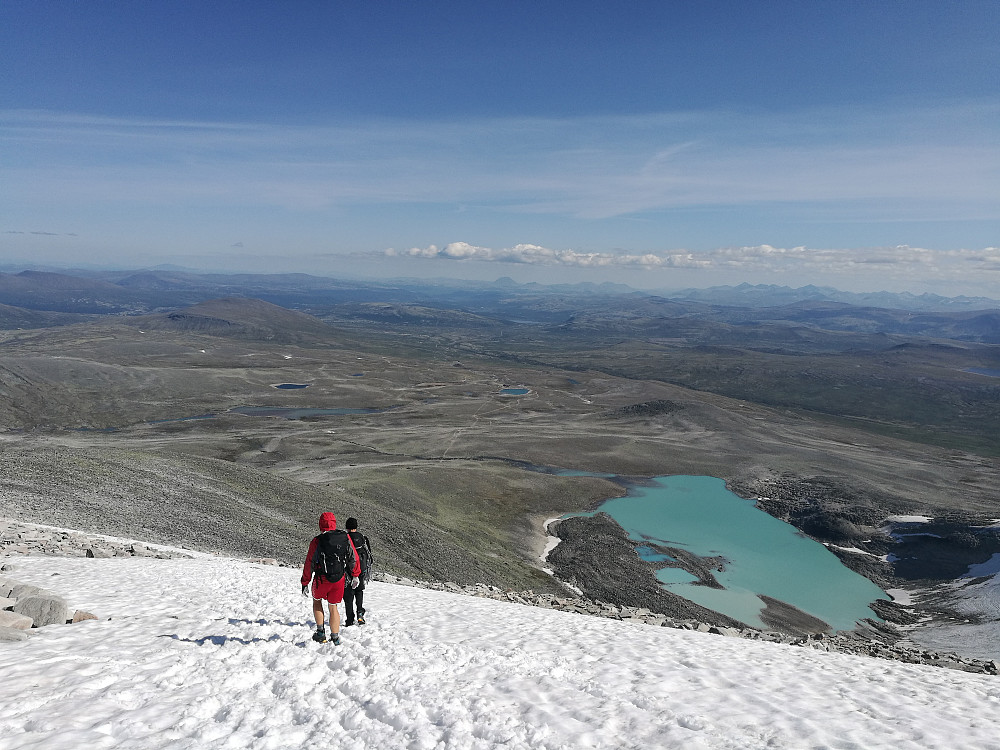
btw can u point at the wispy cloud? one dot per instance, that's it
(881, 165)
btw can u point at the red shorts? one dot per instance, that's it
(332, 591)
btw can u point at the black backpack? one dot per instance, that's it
(364, 554)
(332, 558)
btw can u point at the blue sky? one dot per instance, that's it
(660, 144)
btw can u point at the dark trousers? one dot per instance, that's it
(350, 597)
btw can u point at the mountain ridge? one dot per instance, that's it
(130, 285)
(772, 295)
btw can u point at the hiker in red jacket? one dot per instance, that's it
(331, 558)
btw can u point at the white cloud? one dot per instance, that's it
(463, 250)
(538, 255)
(901, 260)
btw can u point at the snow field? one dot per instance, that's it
(216, 653)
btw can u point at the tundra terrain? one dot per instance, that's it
(440, 425)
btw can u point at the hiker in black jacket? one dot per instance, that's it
(357, 595)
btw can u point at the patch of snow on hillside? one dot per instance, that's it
(855, 550)
(551, 541)
(977, 599)
(989, 568)
(215, 653)
(901, 596)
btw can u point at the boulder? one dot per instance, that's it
(80, 616)
(19, 590)
(12, 634)
(719, 630)
(43, 609)
(14, 620)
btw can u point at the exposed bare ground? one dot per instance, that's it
(433, 478)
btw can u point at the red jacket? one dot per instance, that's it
(328, 522)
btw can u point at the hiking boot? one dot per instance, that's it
(320, 636)
(350, 622)
(361, 619)
(335, 638)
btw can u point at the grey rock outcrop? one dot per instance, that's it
(43, 609)
(23, 539)
(24, 590)
(596, 555)
(24, 606)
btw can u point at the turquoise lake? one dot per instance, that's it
(765, 555)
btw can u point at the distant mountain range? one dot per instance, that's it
(124, 291)
(771, 295)
(44, 298)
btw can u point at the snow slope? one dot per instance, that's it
(215, 653)
(976, 595)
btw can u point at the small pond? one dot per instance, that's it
(182, 419)
(288, 412)
(293, 413)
